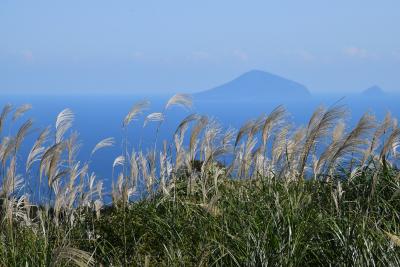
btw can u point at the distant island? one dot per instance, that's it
(255, 85)
(373, 91)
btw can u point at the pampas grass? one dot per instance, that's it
(322, 194)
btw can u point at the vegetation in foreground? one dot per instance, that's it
(320, 195)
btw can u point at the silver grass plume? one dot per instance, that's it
(155, 116)
(7, 146)
(21, 111)
(22, 132)
(183, 100)
(79, 257)
(134, 169)
(73, 146)
(377, 136)
(120, 160)
(107, 142)
(49, 161)
(337, 136)
(245, 129)
(135, 111)
(390, 144)
(200, 125)
(319, 125)
(352, 142)
(180, 151)
(293, 148)
(63, 123)
(151, 162)
(271, 120)
(37, 149)
(6, 109)
(279, 145)
(186, 121)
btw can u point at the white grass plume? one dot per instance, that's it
(135, 111)
(155, 116)
(69, 254)
(319, 125)
(352, 142)
(21, 111)
(186, 121)
(120, 160)
(37, 149)
(63, 123)
(183, 100)
(6, 109)
(107, 142)
(22, 132)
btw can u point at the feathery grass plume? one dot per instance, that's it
(183, 100)
(251, 142)
(107, 142)
(394, 238)
(135, 111)
(186, 121)
(62, 255)
(124, 192)
(352, 142)
(18, 210)
(6, 109)
(72, 145)
(292, 150)
(58, 175)
(210, 147)
(120, 160)
(22, 132)
(319, 125)
(390, 144)
(155, 116)
(165, 170)
(379, 132)
(179, 149)
(338, 131)
(337, 135)
(21, 111)
(279, 145)
(11, 181)
(98, 205)
(270, 121)
(245, 129)
(228, 136)
(149, 163)
(37, 149)
(49, 161)
(200, 125)
(64, 121)
(74, 173)
(8, 144)
(134, 169)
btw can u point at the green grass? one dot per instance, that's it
(253, 223)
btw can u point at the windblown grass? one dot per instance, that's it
(319, 195)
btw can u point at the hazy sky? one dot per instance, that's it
(168, 45)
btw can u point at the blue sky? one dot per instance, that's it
(167, 46)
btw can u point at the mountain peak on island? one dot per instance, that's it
(373, 91)
(256, 84)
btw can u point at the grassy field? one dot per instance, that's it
(319, 195)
